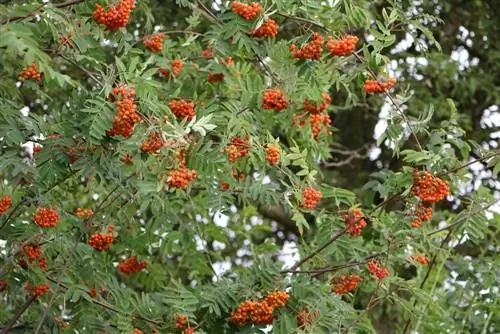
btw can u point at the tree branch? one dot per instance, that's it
(18, 314)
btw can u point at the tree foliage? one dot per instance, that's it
(158, 160)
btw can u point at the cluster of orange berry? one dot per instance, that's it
(84, 213)
(5, 204)
(216, 77)
(155, 42)
(239, 147)
(102, 241)
(3, 285)
(207, 53)
(176, 66)
(46, 217)
(127, 117)
(131, 265)
(181, 178)
(311, 198)
(66, 40)
(34, 254)
(259, 312)
(342, 47)
(115, 17)
(153, 144)
(345, 284)
(93, 291)
(313, 108)
(181, 322)
(429, 189)
(312, 50)
(137, 331)
(274, 99)
(127, 159)
(36, 290)
(377, 270)
(273, 154)
(354, 221)
(182, 108)
(237, 175)
(267, 29)
(374, 86)
(30, 72)
(248, 12)
(420, 259)
(304, 317)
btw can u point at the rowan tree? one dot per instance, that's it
(156, 170)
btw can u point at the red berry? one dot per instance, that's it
(248, 12)
(343, 46)
(311, 198)
(5, 203)
(267, 29)
(46, 217)
(312, 50)
(274, 99)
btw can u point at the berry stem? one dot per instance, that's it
(455, 169)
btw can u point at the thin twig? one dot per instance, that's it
(455, 169)
(18, 314)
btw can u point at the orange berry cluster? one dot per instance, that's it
(354, 222)
(274, 99)
(153, 144)
(36, 290)
(181, 322)
(273, 154)
(311, 198)
(429, 188)
(137, 331)
(84, 213)
(377, 270)
(34, 254)
(312, 50)
(66, 40)
(5, 204)
(207, 53)
(304, 317)
(239, 147)
(267, 29)
(115, 17)
(259, 312)
(127, 159)
(131, 265)
(343, 46)
(180, 178)
(238, 176)
(3, 285)
(46, 217)
(424, 213)
(155, 42)
(313, 108)
(374, 86)
(93, 291)
(345, 284)
(176, 66)
(420, 259)
(182, 108)
(127, 117)
(217, 77)
(30, 72)
(248, 12)
(102, 241)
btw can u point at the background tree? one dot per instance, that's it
(174, 154)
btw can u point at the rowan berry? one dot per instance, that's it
(238, 148)
(259, 312)
(189, 330)
(66, 40)
(46, 217)
(155, 42)
(84, 213)
(36, 290)
(377, 270)
(137, 331)
(127, 116)
(37, 149)
(181, 178)
(115, 17)
(345, 284)
(101, 241)
(177, 65)
(33, 252)
(215, 77)
(416, 223)
(311, 198)
(374, 86)
(267, 29)
(312, 50)
(276, 299)
(248, 12)
(207, 53)
(153, 144)
(420, 259)
(343, 46)
(30, 72)
(273, 154)
(313, 108)
(131, 265)
(318, 122)
(429, 188)
(3, 285)
(183, 108)
(5, 203)
(181, 321)
(274, 99)
(304, 317)
(127, 159)
(354, 222)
